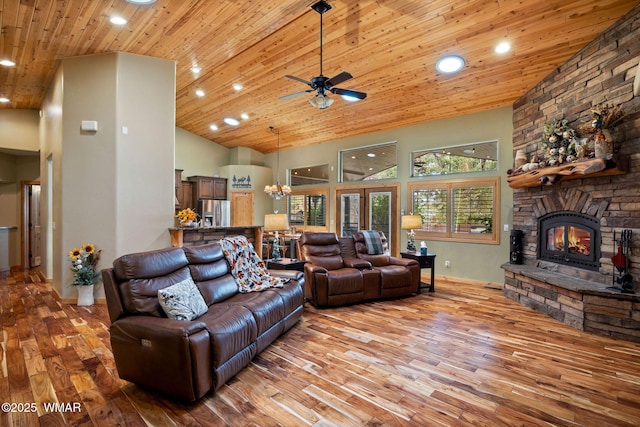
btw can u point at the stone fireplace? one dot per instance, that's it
(568, 225)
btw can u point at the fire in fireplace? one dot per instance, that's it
(569, 238)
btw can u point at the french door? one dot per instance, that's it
(368, 208)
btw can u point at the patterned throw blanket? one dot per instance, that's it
(373, 242)
(247, 268)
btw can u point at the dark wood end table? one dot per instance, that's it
(425, 261)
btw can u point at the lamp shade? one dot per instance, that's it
(276, 222)
(410, 222)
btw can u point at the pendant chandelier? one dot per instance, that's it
(276, 190)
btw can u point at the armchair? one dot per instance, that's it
(333, 280)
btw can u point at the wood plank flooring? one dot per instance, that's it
(464, 355)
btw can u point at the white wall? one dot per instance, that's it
(198, 156)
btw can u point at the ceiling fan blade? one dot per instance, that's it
(349, 92)
(282, 98)
(299, 79)
(337, 79)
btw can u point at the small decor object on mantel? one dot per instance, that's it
(603, 119)
(84, 264)
(559, 142)
(187, 217)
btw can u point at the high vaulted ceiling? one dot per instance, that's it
(389, 46)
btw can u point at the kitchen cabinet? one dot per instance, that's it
(207, 187)
(178, 188)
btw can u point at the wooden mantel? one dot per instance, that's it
(575, 170)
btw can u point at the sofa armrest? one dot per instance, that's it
(286, 274)
(171, 356)
(405, 262)
(359, 263)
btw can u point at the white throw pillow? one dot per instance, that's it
(182, 301)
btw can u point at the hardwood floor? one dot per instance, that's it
(464, 355)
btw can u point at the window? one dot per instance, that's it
(477, 157)
(465, 210)
(369, 163)
(308, 210)
(309, 175)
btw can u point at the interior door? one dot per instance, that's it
(241, 208)
(368, 208)
(34, 226)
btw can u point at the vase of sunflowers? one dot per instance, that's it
(187, 217)
(84, 264)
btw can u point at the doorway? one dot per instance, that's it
(31, 228)
(368, 208)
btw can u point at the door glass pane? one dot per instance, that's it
(350, 208)
(380, 213)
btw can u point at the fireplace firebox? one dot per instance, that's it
(569, 238)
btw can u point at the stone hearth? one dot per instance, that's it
(602, 72)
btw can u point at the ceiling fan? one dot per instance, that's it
(322, 84)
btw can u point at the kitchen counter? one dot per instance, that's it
(193, 236)
(4, 247)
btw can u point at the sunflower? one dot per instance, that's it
(88, 248)
(75, 253)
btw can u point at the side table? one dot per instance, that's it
(425, 261)
(286, 264)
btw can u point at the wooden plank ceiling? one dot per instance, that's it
(389, 46)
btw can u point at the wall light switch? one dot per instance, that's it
(125, 130)
(506, 227)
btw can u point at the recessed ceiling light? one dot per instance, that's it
(141, 1)
(117, 20)
(450, 64)
(231, 121)
(237, 86)
(196, 69)
(244, 116)
(7, 63)
(200, 92)
(503, 47)
(4, 100)
(213, 127)
(371, 155)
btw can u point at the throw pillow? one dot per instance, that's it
(182, 301)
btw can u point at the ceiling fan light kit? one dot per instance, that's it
(322, 84)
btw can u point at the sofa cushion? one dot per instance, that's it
(182, 301)
(145, 265)
(267, 308)
(140, 296)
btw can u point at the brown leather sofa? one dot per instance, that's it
(339, 272)
(186, 359)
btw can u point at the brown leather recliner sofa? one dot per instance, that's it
(339, 271)
(186, 359)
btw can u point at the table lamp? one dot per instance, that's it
(409, 222)
(276, 222)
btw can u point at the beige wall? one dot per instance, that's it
(198, 156)
(19, 129)
(113, 188)
(468, 260)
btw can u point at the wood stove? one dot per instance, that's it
(569, 238)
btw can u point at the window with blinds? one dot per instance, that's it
(308, 210)
(460, 210)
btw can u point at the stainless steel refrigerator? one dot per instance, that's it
(214, 213)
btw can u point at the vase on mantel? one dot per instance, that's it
(85, 296)
(603, 144)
